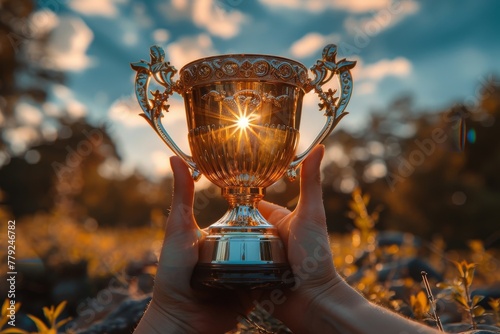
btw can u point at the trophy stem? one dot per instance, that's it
(242, 250)
(242, 211)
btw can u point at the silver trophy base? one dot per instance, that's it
(242, 258)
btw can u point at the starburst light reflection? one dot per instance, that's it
(243, 122)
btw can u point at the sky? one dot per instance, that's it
(439, 51)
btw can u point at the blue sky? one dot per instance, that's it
(437, 50)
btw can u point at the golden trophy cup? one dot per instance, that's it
(243, 113)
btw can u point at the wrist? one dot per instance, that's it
(335, 303)
(158, 320)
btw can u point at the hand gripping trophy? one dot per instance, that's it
(243, 114)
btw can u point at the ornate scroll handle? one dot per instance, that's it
(153, 108)
(334, 107)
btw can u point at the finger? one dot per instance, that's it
(182, 236)
(272, 212)
(310, 205)
(277, 215)
(308, 227)
(181, 214)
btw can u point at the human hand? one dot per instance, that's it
(321, 301)
(305, 236)
(175, 306)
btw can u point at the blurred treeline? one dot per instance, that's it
(426, 172)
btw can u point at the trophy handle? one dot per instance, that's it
(153, 108)
(334, 107)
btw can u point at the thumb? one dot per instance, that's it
(181, 215)
(310, 205)
(182, 235)
(180, 246)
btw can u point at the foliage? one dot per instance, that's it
(495, 306)
(51, 315)
(460, 291)
(420, 305)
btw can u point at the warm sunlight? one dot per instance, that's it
(243, 122)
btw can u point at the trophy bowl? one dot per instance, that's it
(243, 114)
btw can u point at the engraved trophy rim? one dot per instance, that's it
(242, 55)
(243, 67)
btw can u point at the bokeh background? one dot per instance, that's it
(89, 183)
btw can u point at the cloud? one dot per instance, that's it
(398, 67)
(311, 43)
(175, 10)
(126, 111)
(384, 18)
(309, 5)
(360, 6)
(190, 48)
(160, 35)
(180, 4)
(216, 20)
(64, 98)
(366, 77)
(160, 161)
(316, 6)
(211, 15)
(68, 44)
(106, 8)
(366, 88)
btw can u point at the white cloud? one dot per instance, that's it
(188, 49)
(64, 98)
(130, 38)
(399, 67)
(353, 6)
(126, 111)
(211, 15)
(68, 44)
(180, 4)
(366, 88)
(309, 5)
(360, 6)
(160, 160)
(216, 20)
(161, 35)
(107, 8)
(174, 11)
(311, 44)
(366, 77)
(381, 20)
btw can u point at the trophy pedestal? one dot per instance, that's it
(242, 250)
(250, 259)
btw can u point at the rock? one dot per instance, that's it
(122, 320)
